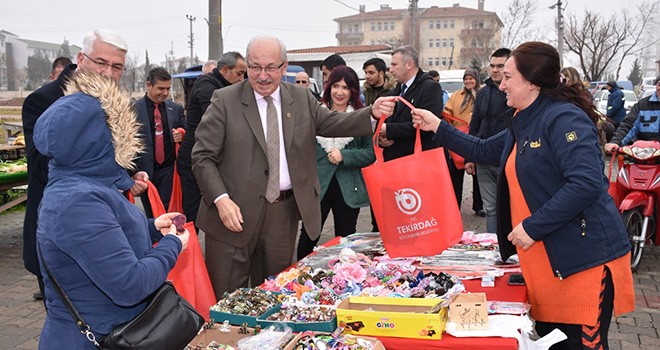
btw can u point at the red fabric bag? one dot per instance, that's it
(189, 276)
(413, 201)
(613, 189)
(463, 126)
(176, 199)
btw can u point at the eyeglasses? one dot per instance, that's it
(301, 81)
(500, 66)
(268, 69)
(117, 68)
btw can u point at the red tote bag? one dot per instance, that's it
(176, 199)
(413, 201)
(189, 275)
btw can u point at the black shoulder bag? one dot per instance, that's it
(168, 321)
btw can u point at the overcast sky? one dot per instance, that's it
(160, 26)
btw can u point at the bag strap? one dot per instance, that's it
(619, 163)
(453, 118)
(82, 325)
(379, 150)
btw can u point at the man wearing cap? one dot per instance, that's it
(642, 123)
(615, 109)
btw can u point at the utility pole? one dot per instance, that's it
(413, 24)
(191, 19)
(560, 31)
(215, 29)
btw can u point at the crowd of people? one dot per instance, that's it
(258, 156)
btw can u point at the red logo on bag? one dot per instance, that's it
(408, 201)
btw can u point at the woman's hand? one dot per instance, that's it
(520, 238)
(426, 120)
(164, 222)
(334, 156)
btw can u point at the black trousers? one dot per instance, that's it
(477, 203)
(456, 176)
(581, 337)
(345, 218)
(191, 193)
(162, 179)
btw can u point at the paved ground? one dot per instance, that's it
(21, 318)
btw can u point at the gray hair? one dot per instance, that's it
(266, 38)
(229, 59)
(409, 53)
(103, 35)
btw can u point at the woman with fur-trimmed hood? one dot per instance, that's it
(97, 245)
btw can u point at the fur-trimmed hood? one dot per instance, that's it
(90, 132)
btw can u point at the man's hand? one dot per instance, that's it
(383, 105)
(176, 136)
(611, 147)
(384, 142)
(140, 184)
(470, 168)
(520, 238)
(383, 131)
(334, 156)
(230, 214)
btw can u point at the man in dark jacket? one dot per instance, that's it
(615, 102)
(230, 70)
(378, 82)
(490, 116)
(397, 135)
(103, 52)
(642, 123)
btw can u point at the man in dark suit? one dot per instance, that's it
(255, 163)
(159, 119)
(230, 70)
(397, 135)
(103, 52)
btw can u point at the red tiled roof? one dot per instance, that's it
(379, 14)
(434, 11)
(343, 49)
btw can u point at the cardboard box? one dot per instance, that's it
(376, 344)
(328, 326)
(392, 317)
(205, 336)
(469, 311)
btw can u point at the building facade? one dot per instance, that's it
(445, 37)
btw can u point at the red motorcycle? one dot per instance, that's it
(636, 192)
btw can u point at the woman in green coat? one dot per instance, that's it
(340, 161)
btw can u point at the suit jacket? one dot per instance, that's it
(423, 93)
(33, 106)
(229, 155)
(175, 119)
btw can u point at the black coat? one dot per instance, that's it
(200, 99)
(423, 93)
(35, 104)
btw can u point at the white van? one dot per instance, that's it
(647, 84)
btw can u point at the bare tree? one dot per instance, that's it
(129, 79)
(519, 24)
(601, 42)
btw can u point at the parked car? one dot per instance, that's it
(600, 100)
(596, 86)
(647, 87)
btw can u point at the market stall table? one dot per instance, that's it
(501, 291)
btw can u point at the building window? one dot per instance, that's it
(391, 25)
(437, 42)
(379, 25)
(474, 24)
(356, 28)
(430, 24)
(444, 24)
(451, 24)
(430, 42)
(481, 24)
(437, 61)
(444, 42)
(350, 29)
(373, 26)
(444, 61)
(451, 42)
(437, 24)
(431, 62)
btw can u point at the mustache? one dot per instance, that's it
(267, 81)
